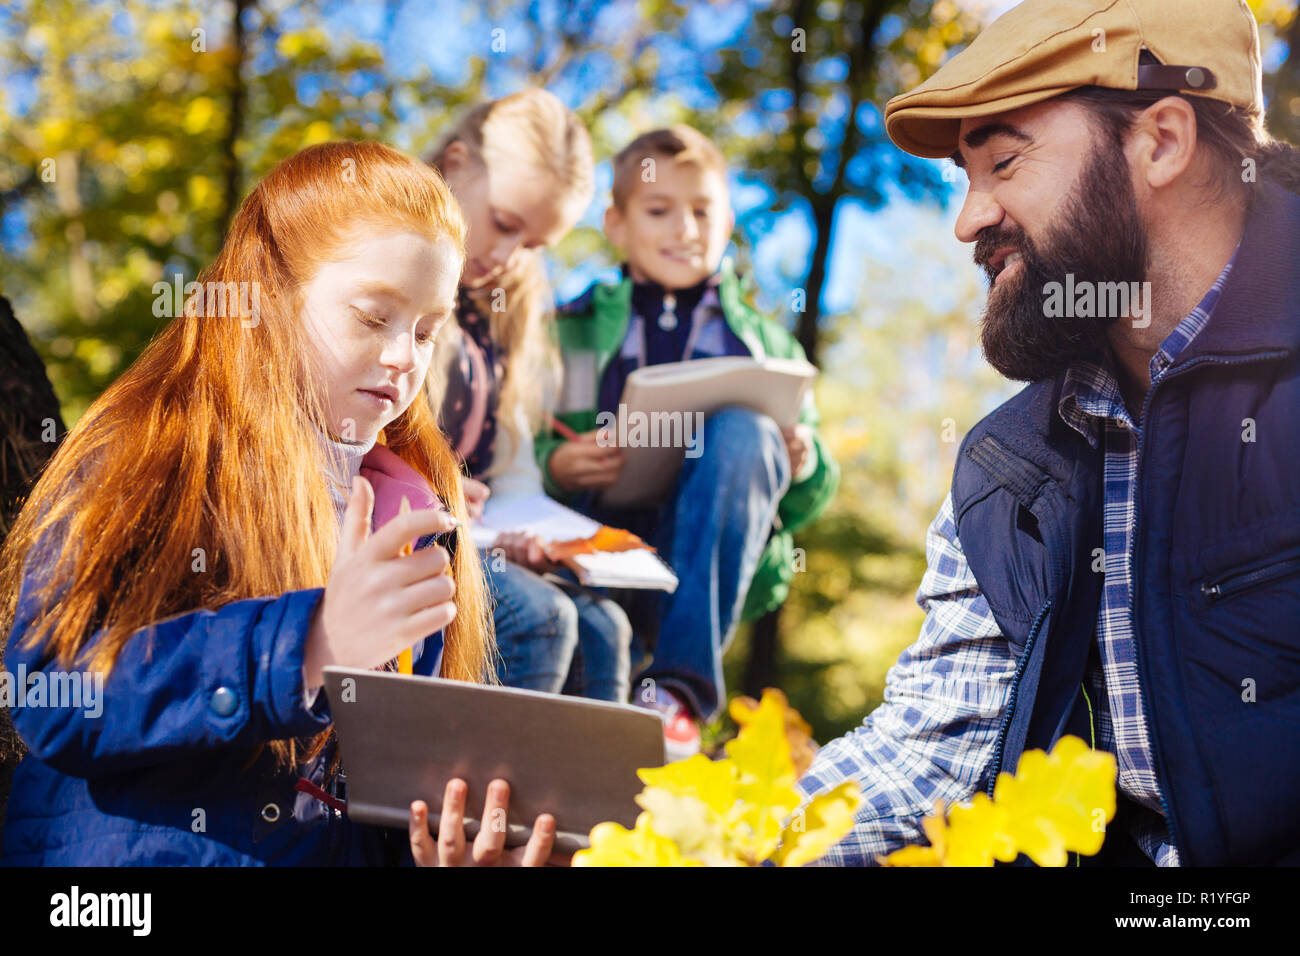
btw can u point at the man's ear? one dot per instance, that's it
(614, 226)
(1165, 134)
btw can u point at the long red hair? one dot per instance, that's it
(207, 440)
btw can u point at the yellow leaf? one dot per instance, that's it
(798, 732)
(977, 834)
(697, 831)
(761, 755)
(760, 750)
(1059, 802)
(820, 825)
(614, 845)
(936, 829)
(711, 781)
(1055, 804)
(911, 856)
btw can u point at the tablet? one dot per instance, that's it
(402, 737)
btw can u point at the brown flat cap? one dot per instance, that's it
(1043, 48)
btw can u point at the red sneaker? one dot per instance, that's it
(681, 732)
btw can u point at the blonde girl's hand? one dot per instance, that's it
(488, 848)
(524, 549)
(476, 496)
(379, 602)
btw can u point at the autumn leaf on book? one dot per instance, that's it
(599, 555)
(615, 558)
(605, 539)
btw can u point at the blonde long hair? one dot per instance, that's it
(207, 440)
(554, 140)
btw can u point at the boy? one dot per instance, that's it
(727, 528)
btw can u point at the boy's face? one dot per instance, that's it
(675, 229)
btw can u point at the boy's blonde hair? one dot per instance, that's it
(535, 125)
(679, 143)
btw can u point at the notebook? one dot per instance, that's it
(402, 737)
(639, 568)
(663, 408)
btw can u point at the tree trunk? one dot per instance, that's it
(229, 160)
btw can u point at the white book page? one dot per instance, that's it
(535, 514)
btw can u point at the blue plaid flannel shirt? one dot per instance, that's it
(937, 729)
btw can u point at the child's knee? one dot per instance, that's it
(610, 624)
(744, 436)
(539, 610)
(561, 616)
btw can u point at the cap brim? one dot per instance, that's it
(931, 131)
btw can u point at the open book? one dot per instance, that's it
(577, 542)
(660, 419)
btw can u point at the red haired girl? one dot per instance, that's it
(189, 560)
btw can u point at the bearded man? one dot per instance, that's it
(1119, 555)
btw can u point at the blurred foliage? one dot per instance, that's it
(1279, 27)
(118, 157)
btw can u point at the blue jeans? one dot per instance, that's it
(725, 504)
(555, 636)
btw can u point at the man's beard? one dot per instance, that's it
(1098, 237)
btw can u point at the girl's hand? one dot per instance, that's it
(524, 549)
(476, 496)
(488, 848)
(379, 602)
(798, 445)
(585, 465)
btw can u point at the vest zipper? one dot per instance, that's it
(1171, 824)
(1092, 738)
(1015, 688)
(1235, 583)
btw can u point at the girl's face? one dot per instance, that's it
(372, 317)
(508, 210)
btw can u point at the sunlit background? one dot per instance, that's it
(161, 115)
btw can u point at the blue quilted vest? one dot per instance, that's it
(1216, 562)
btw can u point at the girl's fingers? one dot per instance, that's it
(540, 844)
(401, 530)
(422, 565)
(491, 839)
(423, 849)
(356, 517)
(451, 824)
(414, 598)
(432, 620)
